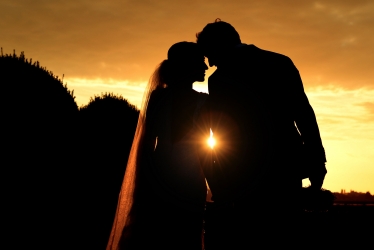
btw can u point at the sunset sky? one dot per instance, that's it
(114, 46)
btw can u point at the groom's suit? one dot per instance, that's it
(255, 101)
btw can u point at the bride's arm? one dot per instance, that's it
(149, 133)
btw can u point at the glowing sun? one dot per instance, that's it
(211, 141)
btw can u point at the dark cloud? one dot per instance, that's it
(369, 107)
(125, 39)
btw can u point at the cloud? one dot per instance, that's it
(344, 114)
(369, 106)
(84, 89)
(125, 40)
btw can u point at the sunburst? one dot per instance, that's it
(211, 141)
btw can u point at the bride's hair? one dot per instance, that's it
(160, 76)
(170, 70)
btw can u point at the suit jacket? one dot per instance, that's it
(263, 124)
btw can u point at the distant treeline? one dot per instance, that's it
(62, 165)
(354, 196)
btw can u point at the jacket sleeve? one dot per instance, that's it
(305, 118)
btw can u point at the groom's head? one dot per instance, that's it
(216, 40)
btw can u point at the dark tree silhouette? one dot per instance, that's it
(38, 116)
(107, 127)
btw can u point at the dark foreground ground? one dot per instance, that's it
(343, 226)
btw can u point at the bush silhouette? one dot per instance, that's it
(38, 114)
(35, 85)
(107, 128)
(62, 166)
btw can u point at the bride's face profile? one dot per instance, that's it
(197, 69)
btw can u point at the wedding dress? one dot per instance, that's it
(163, 195)
(175, 162)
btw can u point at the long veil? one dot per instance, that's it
(125, 215)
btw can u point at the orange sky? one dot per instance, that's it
(114, 46)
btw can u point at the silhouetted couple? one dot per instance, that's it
(267, 141)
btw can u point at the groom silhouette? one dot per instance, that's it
(267, 138)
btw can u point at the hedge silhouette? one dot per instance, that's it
(62, 165)
(38, 150)
(107, 127)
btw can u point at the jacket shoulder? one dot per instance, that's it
(268, 55)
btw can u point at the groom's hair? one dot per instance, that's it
(218, 32)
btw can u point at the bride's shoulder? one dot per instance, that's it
(155, 98)
(158, 93)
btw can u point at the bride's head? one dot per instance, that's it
(184, 66)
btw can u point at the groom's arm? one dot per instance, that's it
(306, 122)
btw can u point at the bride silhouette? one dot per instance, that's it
(162, 199)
